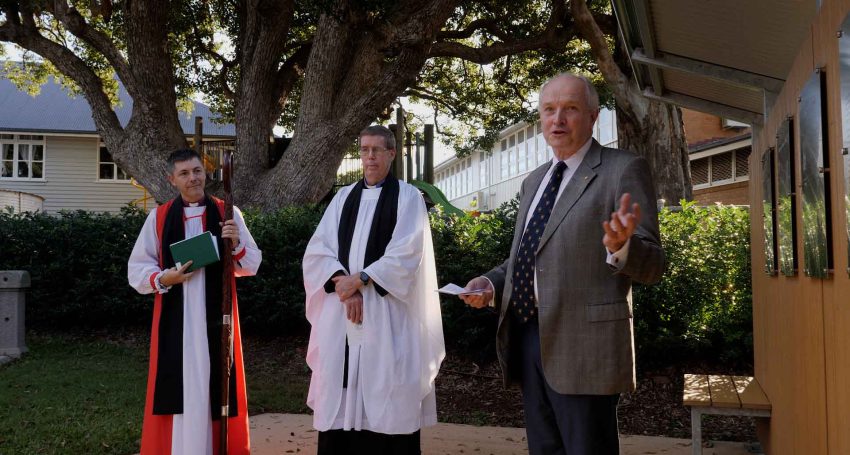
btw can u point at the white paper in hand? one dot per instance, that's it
(454, 289)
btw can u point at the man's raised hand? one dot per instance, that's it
(622, 225)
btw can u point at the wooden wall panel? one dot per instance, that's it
(789, 311)
(836, 291)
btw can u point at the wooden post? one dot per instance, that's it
(398, 162)
(198, 138)
(418, 142)
(428, 173)
(408, 145)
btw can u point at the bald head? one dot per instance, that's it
(591, 96)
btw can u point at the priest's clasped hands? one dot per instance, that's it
(348, 289)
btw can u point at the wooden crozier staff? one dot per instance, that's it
(226, 305)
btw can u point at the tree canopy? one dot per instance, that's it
(323, 69)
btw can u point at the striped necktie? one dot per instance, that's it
(522, 297)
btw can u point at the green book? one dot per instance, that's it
(201, 249)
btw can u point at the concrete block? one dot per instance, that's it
(13, 288)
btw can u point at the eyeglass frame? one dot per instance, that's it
(373, 151)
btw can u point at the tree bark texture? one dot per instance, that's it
(650, 128)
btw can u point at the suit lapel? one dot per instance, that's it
(574, 189)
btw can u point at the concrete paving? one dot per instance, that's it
(276, 434)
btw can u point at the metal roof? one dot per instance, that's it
(53, 110)
(723, 57)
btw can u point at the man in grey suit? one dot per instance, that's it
(564, 299)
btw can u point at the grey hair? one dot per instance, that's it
(379, 130)
(590, 93)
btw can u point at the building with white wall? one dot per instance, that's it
(719, 151)
(487, 179)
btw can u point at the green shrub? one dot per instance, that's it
(272, 303)
(78, 265)
(465, 247)
(700, 310)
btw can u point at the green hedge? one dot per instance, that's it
(701, 310)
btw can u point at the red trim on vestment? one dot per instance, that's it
(153, 281)
(156, 429)
(240, 255)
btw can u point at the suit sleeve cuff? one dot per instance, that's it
(617, 260)
(492, 302)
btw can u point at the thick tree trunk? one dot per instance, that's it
(659, 137)
(353, 73)
(650, 128)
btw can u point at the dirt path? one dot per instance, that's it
(275, 434)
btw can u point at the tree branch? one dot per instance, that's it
(25, 34)
(226, 65)
(77, 25)
(420, 92)
(591, 32)
(554, 36)
(488, 54)
(490, 24)
(291, 71)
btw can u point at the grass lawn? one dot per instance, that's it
(74, 394)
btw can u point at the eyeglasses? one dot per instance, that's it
(374, 151)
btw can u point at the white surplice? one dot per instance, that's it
(192, 430)
(394, 356)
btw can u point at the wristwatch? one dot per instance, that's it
(364, 278)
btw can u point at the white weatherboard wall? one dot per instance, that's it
(71, 179)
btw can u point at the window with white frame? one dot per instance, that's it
(22, 156)
(512, 152)
(542, 147)
(522, 155)
(482, 176)
(607, 127)
(530, 147)
(721, 169)
(503, 159)
(106, 167)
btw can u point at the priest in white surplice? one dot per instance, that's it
(182, 408)
(377, 337)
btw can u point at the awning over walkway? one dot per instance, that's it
(724, 57)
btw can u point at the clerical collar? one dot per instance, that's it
(377, 185)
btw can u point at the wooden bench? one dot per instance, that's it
(725, 395)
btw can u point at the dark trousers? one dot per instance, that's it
(341, 442)
(558, 424)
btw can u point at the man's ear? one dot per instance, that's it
(170, 179)
(392, 155)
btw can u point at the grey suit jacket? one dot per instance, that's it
(584, 307)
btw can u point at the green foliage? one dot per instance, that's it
(466, 247)
(78, 266)
(702, 309)
(483, 99)
(273, 301)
